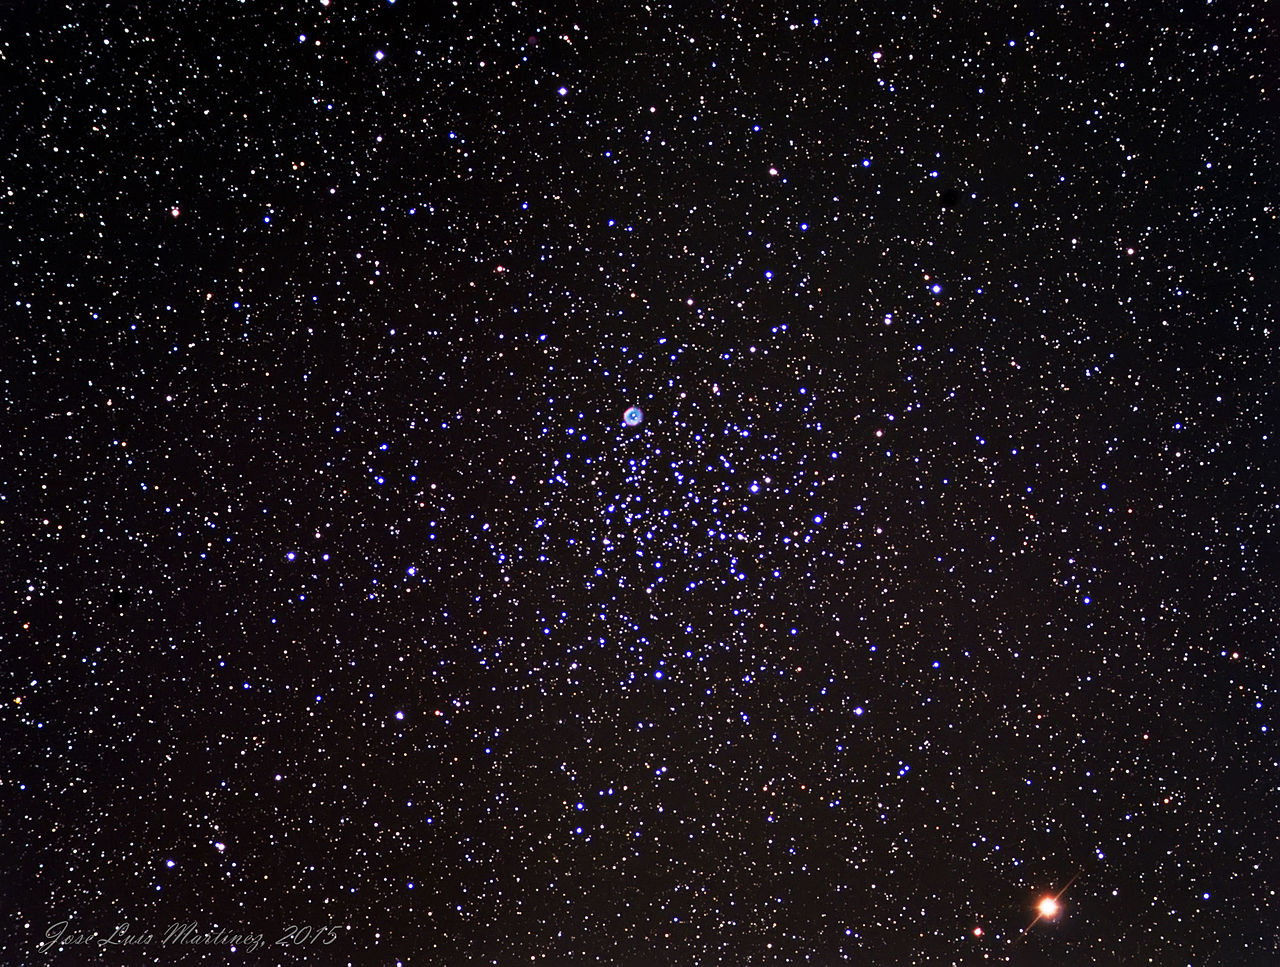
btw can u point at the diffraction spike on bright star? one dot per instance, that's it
(1049, 907)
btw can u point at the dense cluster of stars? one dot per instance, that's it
(639, 486)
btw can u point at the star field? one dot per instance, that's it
(639, 485)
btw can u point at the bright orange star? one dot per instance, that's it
(1048, 907)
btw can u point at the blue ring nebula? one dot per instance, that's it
(633, 416)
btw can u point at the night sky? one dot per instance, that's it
(933, 575)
